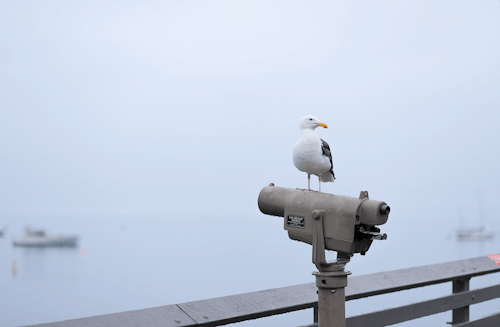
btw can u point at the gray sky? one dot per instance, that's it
(191, 107)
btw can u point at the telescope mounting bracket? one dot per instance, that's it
(318, 244)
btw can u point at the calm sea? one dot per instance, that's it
(129, 263)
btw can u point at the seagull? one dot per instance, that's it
(312, 154)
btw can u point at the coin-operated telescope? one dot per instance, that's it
(328, 222)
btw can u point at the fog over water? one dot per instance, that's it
(149, 128)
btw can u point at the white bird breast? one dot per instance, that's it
(308, 156)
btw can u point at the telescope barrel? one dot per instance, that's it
(273, 201)
(347, 223)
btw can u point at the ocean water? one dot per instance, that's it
(129, 263)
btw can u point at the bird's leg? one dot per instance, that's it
(319, 178)
(308, 182)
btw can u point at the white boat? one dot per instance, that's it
(477, 233)
(38, 237)
(473, 234)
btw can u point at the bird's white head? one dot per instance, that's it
(311, 122)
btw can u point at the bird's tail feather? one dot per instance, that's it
(327, 177)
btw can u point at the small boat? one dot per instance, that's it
(478, 232)
(38, 238)
(473, 234)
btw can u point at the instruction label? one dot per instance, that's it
(295, 221)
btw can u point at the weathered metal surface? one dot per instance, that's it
(234, 308)
(461, 314)
(343, 216)
(488, 321)
(331, 307)
(421, 309)
(164, 316)
(331, 297)
(240, 307)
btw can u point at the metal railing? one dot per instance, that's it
(241, 307)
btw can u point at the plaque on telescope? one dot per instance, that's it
(295, 221)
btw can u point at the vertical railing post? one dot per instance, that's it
(316, 313)
(460, 315)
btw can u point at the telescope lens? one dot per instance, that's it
(385, 209)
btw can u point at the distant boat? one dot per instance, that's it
(38, 238)
(474, 234)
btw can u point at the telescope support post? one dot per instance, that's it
(331, 298)
(331, 279)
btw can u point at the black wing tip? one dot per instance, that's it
(325, 144)
(326, 152)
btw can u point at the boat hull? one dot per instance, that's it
(54, 241)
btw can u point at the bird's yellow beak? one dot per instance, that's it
(323, 125)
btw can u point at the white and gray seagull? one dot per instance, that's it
(312, 154)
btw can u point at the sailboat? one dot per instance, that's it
(474, 233)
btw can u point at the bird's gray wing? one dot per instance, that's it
(327, 153)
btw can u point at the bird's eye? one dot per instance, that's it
(310, 119)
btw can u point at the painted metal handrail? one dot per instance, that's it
(241, 307)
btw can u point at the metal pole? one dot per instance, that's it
(331, 278)
(331, 298)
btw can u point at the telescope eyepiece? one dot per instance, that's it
(385, 209)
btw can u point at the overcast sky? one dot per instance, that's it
(169, 107)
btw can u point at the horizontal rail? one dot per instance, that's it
(488, 321)
(404, 279)
(426, 308)
(240, 307)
